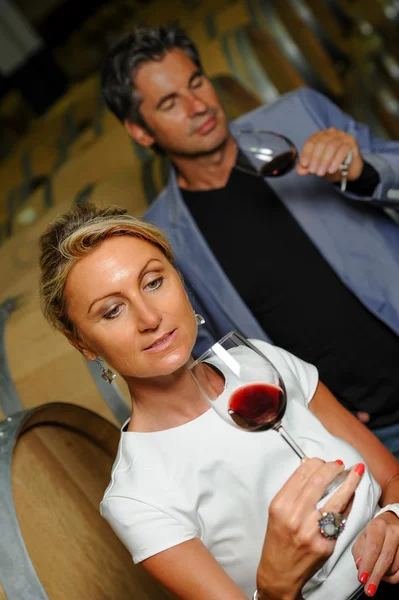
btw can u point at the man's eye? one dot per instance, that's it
(154, 284)
(197, 83)
(168, 106)
(114, 312)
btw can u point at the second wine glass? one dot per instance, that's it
(265, 153)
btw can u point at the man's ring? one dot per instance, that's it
(331, 525)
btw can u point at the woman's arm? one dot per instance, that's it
(293, 549)
(341, 423)
(190, 572)
(376, 550)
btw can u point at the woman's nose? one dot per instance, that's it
(148, 318)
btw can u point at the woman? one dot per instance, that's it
(211, 511)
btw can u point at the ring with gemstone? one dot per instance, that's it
(331, 525)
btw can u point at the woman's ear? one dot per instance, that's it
(87, 353)
(139, 134)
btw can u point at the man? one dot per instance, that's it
(291, 259)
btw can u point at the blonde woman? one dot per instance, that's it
(204, 520)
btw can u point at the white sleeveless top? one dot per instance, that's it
(210, 480)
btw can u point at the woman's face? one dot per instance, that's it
(129, 306)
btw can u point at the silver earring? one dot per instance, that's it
(106, 374)
(199, 319)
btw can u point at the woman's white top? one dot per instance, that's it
(209, 480)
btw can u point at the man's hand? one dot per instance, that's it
(325, 150)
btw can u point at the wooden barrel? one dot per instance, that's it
(159, 12)
(105, 157)
(379, 13)
(296, 33)
(139, 178)
(45, 146)
(56, 464)
(252, 57)
(38, 364)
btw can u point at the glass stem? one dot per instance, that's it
(290, 441)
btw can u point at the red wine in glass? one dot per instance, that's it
(265, 153)
(246, 390)
(257, 406)
(280, 165)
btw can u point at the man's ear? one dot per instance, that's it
(87, 353)
(139, 134)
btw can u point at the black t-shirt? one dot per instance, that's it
(296, 296)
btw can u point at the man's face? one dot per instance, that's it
(180, 107)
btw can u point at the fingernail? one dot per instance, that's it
(359, 469)
(363, 578)
(357, 563)
(339, 461)
(371, 589)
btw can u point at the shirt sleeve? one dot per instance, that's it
(365, 184)
(145, 530)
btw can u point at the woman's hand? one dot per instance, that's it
(376, 552)
(294, 549)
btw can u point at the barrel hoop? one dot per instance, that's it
(110, 392)
(288, 46)
(84, 194)
(338, 57)
(27, 165)
(48, 193)
(17, 573)
(387, 98)
(165, 170)
(142, 153)
(11, 202)
(211, 27)
(147, 180)
(99, 113)
(9, 399)
(266, 88)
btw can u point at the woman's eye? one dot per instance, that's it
(114, 312)
(154, 284)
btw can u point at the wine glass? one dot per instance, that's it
(265, 153)
(244, 387)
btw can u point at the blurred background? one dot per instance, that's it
(52, 116)
(59, 145)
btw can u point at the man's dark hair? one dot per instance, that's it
(127, 55)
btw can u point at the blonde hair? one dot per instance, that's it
(71, 237)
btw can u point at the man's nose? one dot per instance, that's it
(195, 105)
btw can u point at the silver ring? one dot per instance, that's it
(331, 525)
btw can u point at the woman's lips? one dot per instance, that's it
(162, 342)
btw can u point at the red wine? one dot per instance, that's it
(282, 164)
(257, 406)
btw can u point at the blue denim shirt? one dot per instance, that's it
(361, 246)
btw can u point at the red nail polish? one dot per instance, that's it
(363, 577)
(359, 469)
(358, 562)
(371, 589)
(339, 461)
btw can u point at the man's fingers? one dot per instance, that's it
(363, 417)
